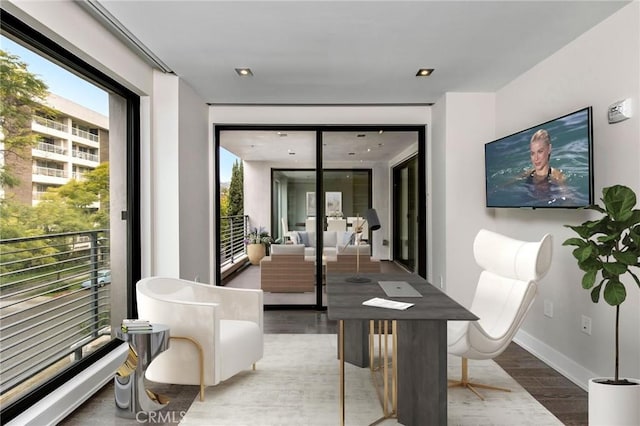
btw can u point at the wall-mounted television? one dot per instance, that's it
(545, 166)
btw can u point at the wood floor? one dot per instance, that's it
(560, 396)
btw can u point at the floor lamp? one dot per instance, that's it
(371, 217)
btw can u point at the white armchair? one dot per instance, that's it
(224, 324)
(505, 292)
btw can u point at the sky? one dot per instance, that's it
(60, 81)
(63, 83)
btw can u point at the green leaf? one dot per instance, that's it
(626, 257)
(584, 253)
(595, 293)
(589, 279)
(614, 292)
(619, 201)
(614, 268)
(575, 242)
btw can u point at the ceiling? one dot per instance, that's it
(352, 52)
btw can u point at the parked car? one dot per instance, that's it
(104, 277)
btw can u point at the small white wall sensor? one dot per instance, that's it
(619, 111)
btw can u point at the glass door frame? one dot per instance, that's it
(319, 131)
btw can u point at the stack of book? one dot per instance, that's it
(135, 325)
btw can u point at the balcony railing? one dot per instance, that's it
(54, 305)
(85, 135)
(47, 147)
(232, 232)
(47, 171)
(85, 155)
(50, 124)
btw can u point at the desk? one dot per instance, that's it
(421, 337)
(144, 346)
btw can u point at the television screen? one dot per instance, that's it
(549, 165)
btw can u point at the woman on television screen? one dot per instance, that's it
(542, 172)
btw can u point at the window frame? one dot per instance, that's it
(16, 29)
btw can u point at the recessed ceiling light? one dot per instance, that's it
(282, 134)
(424, 72)
(244, 72)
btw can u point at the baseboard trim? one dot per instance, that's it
(52, 409)
(556, 360)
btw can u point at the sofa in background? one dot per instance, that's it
(286, 270)
(334, 242)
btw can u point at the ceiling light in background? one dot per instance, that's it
(424, 72)
(244, 72)
(282, 134)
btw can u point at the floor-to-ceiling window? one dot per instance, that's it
(69, 244)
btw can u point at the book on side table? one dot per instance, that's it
(135, 325)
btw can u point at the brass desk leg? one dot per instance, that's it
(394, 368)
(341, 350)
(390, 390)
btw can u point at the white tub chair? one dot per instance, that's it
(216, 332)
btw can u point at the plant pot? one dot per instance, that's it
(614, 405)
(255, 252)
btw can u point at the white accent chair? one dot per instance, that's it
(216, 332)
(285, 229)
(505, 292)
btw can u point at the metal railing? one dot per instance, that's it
(54, 305)
(85, 135)
(55, 125)
(47, 147)
(232, 232)
(85, 155)
(47, 171)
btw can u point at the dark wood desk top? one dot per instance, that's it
(344, 300)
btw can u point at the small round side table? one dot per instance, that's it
(132, 398)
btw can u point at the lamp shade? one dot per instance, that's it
(372, 219)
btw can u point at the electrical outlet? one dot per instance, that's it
(441, 282)
(586, 325)
(548, 308)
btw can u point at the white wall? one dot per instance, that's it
(465, 122)
(165, 176)
(587, 72)
(194, 188)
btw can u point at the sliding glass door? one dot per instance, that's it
(405, 213)
(309, 190)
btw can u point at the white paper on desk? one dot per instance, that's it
(388, 304)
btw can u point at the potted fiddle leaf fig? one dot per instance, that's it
(607, 250)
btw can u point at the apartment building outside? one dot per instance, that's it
(75, 142)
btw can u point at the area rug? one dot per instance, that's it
(297, 383)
